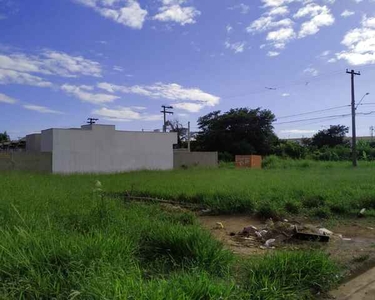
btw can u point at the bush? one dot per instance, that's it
(225, 156)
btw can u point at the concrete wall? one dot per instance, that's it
(102, 149)
(204, 159)
(23, 161)
(33, 142)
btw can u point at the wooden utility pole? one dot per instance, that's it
(165, 112)
(354, 134)
(189, 136)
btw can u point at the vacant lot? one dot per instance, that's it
(61, 238)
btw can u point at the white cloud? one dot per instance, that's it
(265, 23)
(320, 16)
(81, 92)
(282, 35)
(285, 95)
(172, 11)
(125, 114)
(10, 76)
(279, 10)
(360, 43)
(311, 71)
(126, 12)
(280, 28)
(6, 99)
(20, 68)
(170, 91)
(243, 8)
(273, 3)
(325, 53)
(237, 47)
(188, 106)
(229, 28)
(41, 109)
(273, 53)
(118, 69)
(347, 13)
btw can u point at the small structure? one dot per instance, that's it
(249, 161)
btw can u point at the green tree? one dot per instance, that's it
(331, 137)
(4, 137)
(238, 131)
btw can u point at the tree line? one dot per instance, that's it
(250, 131)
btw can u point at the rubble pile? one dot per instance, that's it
(273, 234)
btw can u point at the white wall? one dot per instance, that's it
(100, 148)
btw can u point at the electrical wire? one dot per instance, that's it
(312, 112)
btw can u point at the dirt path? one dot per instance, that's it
(359, 288)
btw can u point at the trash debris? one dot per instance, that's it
(249, 230)
(219, 225)
(269, 243)
(371, 228)
(206, 211)
(305, 236)
(362, 213)
(324, 231)
(274, 234)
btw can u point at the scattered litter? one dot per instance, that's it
(269, 243)
(362, 212)
(275, 233)
(324, 231)
(306, 236)
(371, 228)
(249, 230)
(219, 225)
(206, 211)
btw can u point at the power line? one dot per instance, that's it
(312, 112)
(311, 119)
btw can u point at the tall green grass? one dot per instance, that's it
(61, 240)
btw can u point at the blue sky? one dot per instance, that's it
(62, 61)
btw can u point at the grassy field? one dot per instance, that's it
(61, 239)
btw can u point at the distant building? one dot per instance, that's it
(98, 148)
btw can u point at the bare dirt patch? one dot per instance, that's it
(352, 243)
